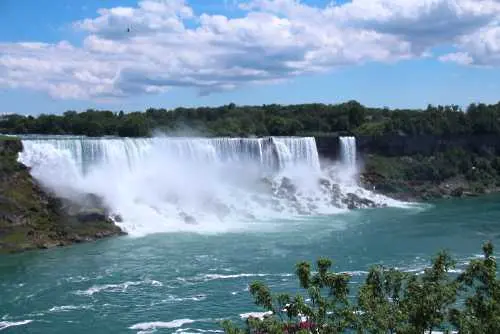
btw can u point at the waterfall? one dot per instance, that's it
(155, 183)
(348, 158)
(167, 184)
(348, 151)
(123, 154)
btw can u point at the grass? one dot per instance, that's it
(4, 137)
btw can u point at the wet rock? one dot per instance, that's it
(117, 218)
(250, 216)
(281, 193)
(335, 190)
(287, 185)
(458, 192)
(275, 202)
(49, 245)
(188, 219)
(93, 201)
(222, 210)
(325, 183)
(312, 207)
(13, 219)
(80, 239)
(86, 217)
(267, 182)
(354, 201)
(103, 234)
(77, 205)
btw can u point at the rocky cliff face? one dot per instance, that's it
(396, 145)
(424, 167)
(32, 218)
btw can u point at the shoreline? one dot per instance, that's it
(426, 192)
(32, 218)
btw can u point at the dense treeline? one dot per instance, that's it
(390, 301)
(232, 120)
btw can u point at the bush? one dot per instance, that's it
(390, 301)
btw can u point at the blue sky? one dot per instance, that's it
(188, 53)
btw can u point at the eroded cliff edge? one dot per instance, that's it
(32, 218)
(424, 167)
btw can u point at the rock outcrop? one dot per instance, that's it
(424, 167)
(400, 145)
(32, 218)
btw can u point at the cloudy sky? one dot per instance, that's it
(132, 54)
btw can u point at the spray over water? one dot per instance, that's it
(167, 184)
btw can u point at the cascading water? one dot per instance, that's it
(166, 184)
(348, 159)
(348, 151)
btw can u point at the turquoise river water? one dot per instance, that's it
(187, 283)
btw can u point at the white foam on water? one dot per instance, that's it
(259, 315)
(7, 324)
(203, 185)
(212, 277)
(197, 298)
(356, 273)
(196, 331)
(121, 287)
(147, 326)
(68, 308)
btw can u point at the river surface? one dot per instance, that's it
(187, 283)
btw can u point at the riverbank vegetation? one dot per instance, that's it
(33, 218)
(390, 301)
(451, 173)
(277, 120)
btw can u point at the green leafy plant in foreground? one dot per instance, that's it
(389, 301)
(481, 312)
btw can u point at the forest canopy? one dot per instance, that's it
(275, 120)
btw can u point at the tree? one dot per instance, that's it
(429, 297)
(328, 310)
(356, 112)
(481, 288)
(135, 125)
(380, 302)
(389, 301)
(283, 120)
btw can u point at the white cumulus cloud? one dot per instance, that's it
(159, 44)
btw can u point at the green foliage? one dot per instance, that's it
(449, 173)
(31, 218)
(380, 301)
(371, 129)
(479, 282)
(389, 301)
(233, 120)
(429, 297)
(8, 138)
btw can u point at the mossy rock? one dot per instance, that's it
(32, 218)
